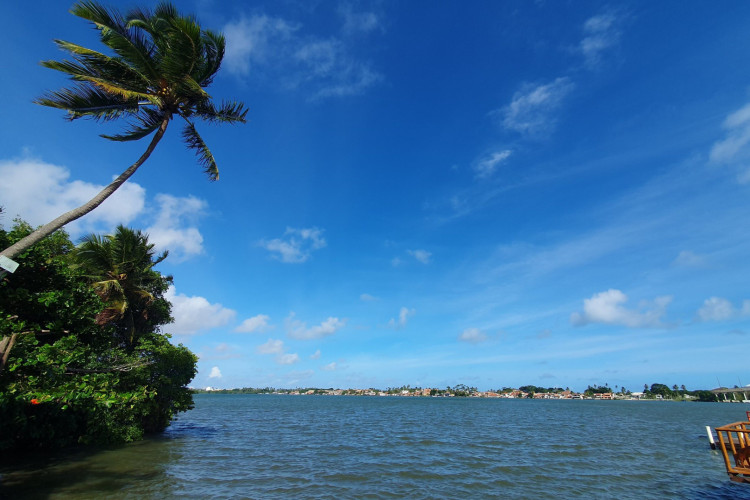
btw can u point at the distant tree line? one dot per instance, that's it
(655, 391)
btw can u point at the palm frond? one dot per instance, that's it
(206, 159)
(228, 112)
(160, 257)
(147, 122)
(107, 289)
(93, 64)
(86, 101)
(213, 53)
(114, 32)
(158, 64)
(190, 89)
(183, 39)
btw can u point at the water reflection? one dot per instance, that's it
(94, 473)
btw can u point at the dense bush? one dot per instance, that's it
(70, 379)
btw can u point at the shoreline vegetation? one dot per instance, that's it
(656, 392)
(89, 363)
(83, 355)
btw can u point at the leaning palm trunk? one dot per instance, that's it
(43, 231)
(160, 64)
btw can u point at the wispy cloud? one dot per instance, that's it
(686, 258)
(358, 23)
(257, 323)
(403, 317)
(608, 307)
(329, 367)
(297, 329)
(601, 32)
(271, 346)
(220, 351)
(252, 41)
(532, 110)
(275, 346)
(473, 336)
(195, 314)
(366, 297)
(296, 246)
(288, 359)
(721, 309)
(323, 66)
(489, 164)
(732, 149)
(422, 256)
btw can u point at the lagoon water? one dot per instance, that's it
(266, 446)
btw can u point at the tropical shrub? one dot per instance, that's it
(70, 379)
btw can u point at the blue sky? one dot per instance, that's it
(494, 194)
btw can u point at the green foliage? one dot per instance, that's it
(156, 68)
(597, 389)
(532, 389)
(661, 390)
(119, 267)
(69, 378)
(705, 396)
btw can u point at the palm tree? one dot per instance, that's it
(161, 63)
(120, 269)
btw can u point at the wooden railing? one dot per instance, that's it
(734, 442)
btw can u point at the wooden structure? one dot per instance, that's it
(734, 443)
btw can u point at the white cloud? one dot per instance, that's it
(721, 309)
(215, 372)
(296, 246)
(366, 297)
(607, 307)
(272, 346)
(330, 367)
(487, 166)
(297, 329)
(257, 323)
(315, 355)
(395, 262)
(403, 317)
(601, 33)
(168, 232)
(716, 309)
(194, 314)
(252, 41)
(530, 112)
(473, 336)
(38, 192)
(287, 359)
(422, 256)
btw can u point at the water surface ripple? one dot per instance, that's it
(243, 446)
